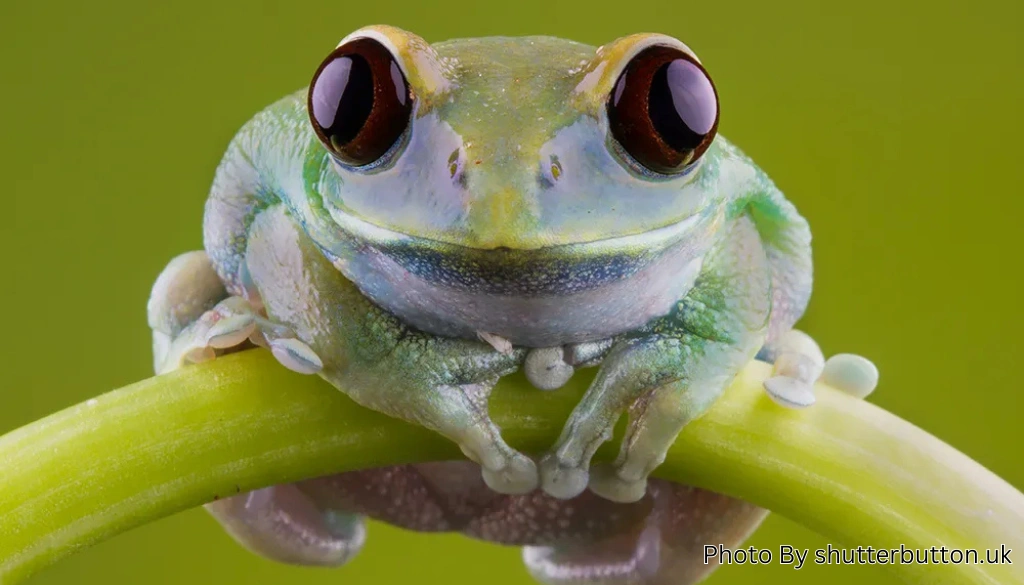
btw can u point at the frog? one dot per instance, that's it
(425, 219)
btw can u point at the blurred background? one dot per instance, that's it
(894, 126)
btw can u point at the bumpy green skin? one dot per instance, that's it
(506, 213)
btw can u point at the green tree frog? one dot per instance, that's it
(427, 218)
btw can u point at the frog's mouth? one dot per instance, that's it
(560, 269)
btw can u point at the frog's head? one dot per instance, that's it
(517, 144)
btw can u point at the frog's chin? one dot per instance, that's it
(545, 297)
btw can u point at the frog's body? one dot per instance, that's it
(505, 228)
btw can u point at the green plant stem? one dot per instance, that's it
(844, 467)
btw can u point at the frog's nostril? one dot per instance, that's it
(456, 165)
(551, 172)
(556, 168)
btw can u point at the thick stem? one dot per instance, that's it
(844, 467)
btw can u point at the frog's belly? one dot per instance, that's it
(581, 303)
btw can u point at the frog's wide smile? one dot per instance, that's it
(648, 242)
(555, 270)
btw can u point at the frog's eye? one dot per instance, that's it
(664, 109)
(359, 101)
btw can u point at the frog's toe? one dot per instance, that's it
(798, 363)
(230, 323)
(607, 483)
(284, 524)
(296, 355)
(789, 392)
(518, 476)
(562, 479)
(547, 369)
(851, 373)
(504, 469)
(231, 331)
(626, 559)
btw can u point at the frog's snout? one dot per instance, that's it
(500, 218)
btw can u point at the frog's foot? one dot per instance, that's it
(516, 474)
(230, 324)
(666, 549)
(504, 469)
(193, 320)
(798, 363)
(663, 383)
(624, 380)
(287, 525)
(654, 423)
(443, 384)
(459, 413)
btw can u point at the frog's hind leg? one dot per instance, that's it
(667, 549)
(285, 524)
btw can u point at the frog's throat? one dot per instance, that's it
(545, 297)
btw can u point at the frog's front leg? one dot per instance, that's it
(668, 373)
(194, 318)
(437, 382)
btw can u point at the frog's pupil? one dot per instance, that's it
(343, 98)
(682, 104)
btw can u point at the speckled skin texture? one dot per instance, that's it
(505, 226)
(659, 539)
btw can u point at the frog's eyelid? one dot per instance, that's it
(626, 48)
(598, 76)
(422, 67)
(381, 37)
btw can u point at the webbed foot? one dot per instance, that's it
(661, 393)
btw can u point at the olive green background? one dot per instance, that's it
(894, 126)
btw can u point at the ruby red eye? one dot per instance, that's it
(359, 102)
(664, 109)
